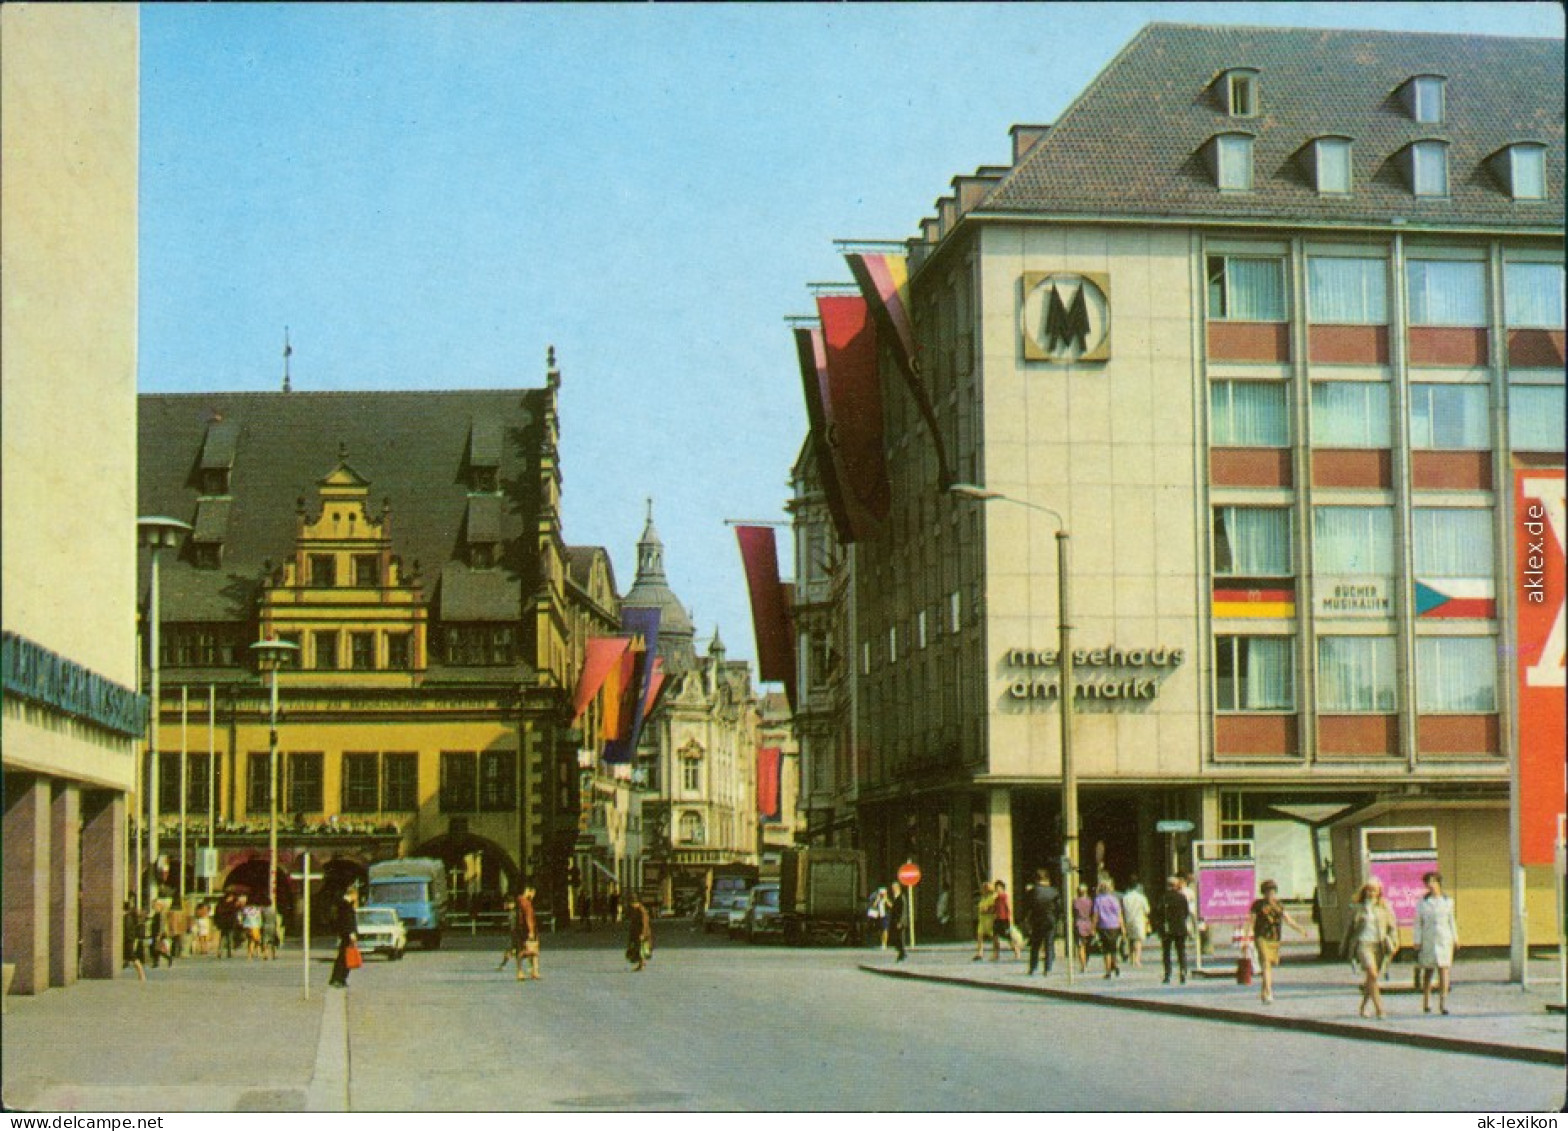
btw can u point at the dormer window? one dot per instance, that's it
(1239, 92)
(1230, 160)
(1426, 167)
(1521, 169)
(1424, 98)
(1330, 164)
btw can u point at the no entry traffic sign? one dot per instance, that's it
(909, 875)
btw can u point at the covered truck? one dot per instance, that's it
(414, 887)
(822, 895)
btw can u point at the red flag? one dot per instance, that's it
(769, 759)
(604, 653)
(769, 613)
(852, 405)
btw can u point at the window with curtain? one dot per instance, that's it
(1528, 164)
(1254, 673)
(1429, 161)
(1536, 420)
(1333, 154)
(1449, 417)
(1446, 292)
(1243, 289)
(1347, 291)
(1356, 673)
(1251, 542)
(1353, 541)
(1249, 414)
(1533, 295)
(1235, 165)
(1456, 673)
(1452, 541)
(1350, 414)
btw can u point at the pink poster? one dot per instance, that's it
(1225, 890)
(1402, 886)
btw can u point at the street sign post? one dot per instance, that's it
(305, 875)
(1174, 826)
(909, 876)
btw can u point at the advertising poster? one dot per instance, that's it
(1225, 890)
(1401, 874)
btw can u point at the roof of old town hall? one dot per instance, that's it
(1133, 142)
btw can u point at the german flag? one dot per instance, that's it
(1272, 602)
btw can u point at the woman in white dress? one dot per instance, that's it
(1436, 939)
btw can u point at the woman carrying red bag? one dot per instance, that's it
(347, 923)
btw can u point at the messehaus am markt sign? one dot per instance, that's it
(1110, 674)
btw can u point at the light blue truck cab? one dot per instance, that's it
(415, 887)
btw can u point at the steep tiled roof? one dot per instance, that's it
(1133, 142)
(410, 446)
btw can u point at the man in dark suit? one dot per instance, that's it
(898, 907)
(1174, 913)
(1042, 909)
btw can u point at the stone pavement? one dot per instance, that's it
(236, 1035)
(1488, 1015)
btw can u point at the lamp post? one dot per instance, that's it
(1065, 693)
(270, 656)
(157, 534)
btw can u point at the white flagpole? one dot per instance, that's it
(185, 766)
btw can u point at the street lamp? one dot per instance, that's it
(270, 656)
(1065, 693)
(157, 534)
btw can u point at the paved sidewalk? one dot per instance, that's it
(236, 1035)
(1488, 1015)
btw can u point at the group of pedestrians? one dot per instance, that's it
(166, 930)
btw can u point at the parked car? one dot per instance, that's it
(762, 913)
(381, 932)
(729, 897)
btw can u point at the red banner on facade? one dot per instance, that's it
(768, 761)
(604, 654)
(769, 609)
(1543, 728)
(813, 358)
(852, 403)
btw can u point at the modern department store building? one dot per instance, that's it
(1273, 319)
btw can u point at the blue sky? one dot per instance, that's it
(430, 195)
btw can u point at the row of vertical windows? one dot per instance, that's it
(1354, 291)
(1356, 674)
(1448, 542)
(1355, 414)
(485, 782)
(322, 570)
(1521, 167)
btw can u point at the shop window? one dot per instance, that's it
(400, 782)
(1533, 295)
(1347, 292)
(1456, 674)
(1449, 417)
(361, 782)
(1356, 674)
(258, 777)
(1536, 421)
(1235, 821)
(1353, 541)
(1254, 673)
(305, 783)
(459, 788)
(498, 781)
(1252, 542)
(1249, 414)
(1246, 289)
(1350, 414)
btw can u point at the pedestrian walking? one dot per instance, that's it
(346, 922)
(1436, 941)
(985, 919)
(226, 921)
(1175, 915)
(1111, 927)
(133, 949)
(1042, 908)
(876, 911)
(897, 906)
(525, 935)
(639, 934)
(250, 927)
(177, 922)
(1083, 925)
(201, 929)
(1268, 919)
(615, 903)
(271, 932)
(1135, 907)
(159, 945)
(1371, 938)
(1003, 927)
